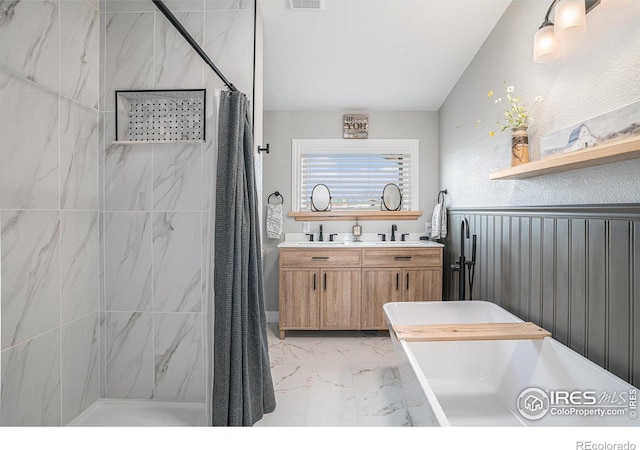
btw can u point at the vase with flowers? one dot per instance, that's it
(517, 118)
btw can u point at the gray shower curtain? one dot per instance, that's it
(242, 385)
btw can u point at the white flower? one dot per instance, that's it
(515, 113)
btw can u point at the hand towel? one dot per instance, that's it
(443, 222)
(275, 221)
(439, 222)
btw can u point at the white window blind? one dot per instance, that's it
(355, 172)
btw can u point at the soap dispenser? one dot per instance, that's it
(356, 230)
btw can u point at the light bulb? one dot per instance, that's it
(545, 45)
(570, 18)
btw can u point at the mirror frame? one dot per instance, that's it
(313, 204)
(383, 204)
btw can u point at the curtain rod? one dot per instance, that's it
(178, 26)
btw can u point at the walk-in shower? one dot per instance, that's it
(105, 245)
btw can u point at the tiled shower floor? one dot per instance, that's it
(141, 413)
(334, 378)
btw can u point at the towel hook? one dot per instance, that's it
(277, 194)
(443, 193)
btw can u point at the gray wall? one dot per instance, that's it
(280, 127)
(155, 199)
(571, 270)
(49, 210)
(597, 73)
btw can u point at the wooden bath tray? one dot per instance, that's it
(470, 332)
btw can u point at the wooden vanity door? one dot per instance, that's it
(340, 299)
(379, 286)
(299, 298)
(422, 285)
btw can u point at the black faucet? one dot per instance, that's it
(394, 228)
(310, 236)
(464, 233)
(320, 238)
(462, 263)
(384, 236)
(331, 236)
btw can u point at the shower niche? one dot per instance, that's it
(160, 116)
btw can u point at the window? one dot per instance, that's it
(355, 171)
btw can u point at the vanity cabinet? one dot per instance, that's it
(320, 289)
(344, 289)
(398, 275)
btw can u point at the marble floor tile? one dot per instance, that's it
(282, 420)
(331, 406)
(338, 375)
(383, 421)
(293, 376)
(291, 402)
(334, 379)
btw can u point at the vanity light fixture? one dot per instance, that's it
(570, 17)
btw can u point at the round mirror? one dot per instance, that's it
(391, 198)
(320, 198)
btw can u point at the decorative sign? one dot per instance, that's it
(622, 123)
(356, 126)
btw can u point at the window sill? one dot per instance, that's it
(355, 215)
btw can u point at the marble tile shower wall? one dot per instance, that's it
(156, 197)
(49, 219)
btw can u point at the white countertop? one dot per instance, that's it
(300, 240)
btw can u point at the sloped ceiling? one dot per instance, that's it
(371, 54)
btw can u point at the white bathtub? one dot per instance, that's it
(501, 383)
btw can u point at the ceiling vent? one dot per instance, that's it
(307, 5)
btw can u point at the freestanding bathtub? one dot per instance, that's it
(501, 382)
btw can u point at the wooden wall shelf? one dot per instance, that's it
(353, 215)
(621, 150)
